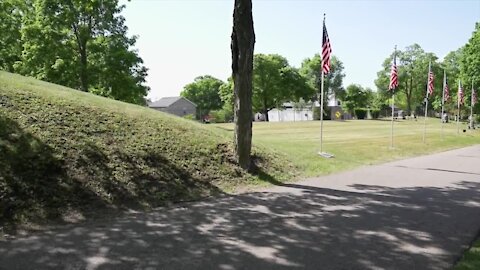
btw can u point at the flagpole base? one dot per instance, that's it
(326, 155)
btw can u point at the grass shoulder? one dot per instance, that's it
(470, 259)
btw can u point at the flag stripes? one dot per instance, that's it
(446, 90)
(326, 51)
(393, 75)
(430, 82)
(460, 93)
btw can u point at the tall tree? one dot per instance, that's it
(82, 44)
(333, 83)
(356, 97)
(242, 46)
(11, 13)
(275, 82)
(412, 75)
(205, 92)
(470, 65)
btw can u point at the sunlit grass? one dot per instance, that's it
(470, 259)
(357, 142)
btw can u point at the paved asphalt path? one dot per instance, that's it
(419, 213)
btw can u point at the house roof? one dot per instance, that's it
(167, 101)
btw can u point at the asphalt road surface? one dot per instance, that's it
(419, 213)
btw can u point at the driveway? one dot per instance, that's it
(419, 213)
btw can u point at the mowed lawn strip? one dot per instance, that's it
(470, 259)
(356, 142)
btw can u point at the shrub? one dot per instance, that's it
(189, 116)
(360, 113)
(375, 113)
(221, 116)
(316, 113)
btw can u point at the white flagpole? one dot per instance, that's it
(471, 108)
(443, 99)
(321, 153)
(393, 97)
(321, 111)
(393, 106)
(426, 103)
(458, 104)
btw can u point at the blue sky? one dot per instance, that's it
(182, 39)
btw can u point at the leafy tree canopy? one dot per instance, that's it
(333, 82)
(82, 44)
(205, 92)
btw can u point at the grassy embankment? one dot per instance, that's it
(67, 155)
(470, 259)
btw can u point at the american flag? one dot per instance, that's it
(446, 90)
(326, 51)
(460, 93)
(393, 75)
(430, 81)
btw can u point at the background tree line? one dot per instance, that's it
(462, 65)
(275, 81)
(81, 44)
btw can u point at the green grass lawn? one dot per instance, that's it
(357, 142)
(470, 259)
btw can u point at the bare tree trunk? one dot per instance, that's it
(243, 41)
(83, 68)
(265, 110)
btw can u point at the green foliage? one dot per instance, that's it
(375, 113)
(470, 259)
(470, 59)
(189, 117)
(275, 82)
(64, 151)
(470, 66)
(205, 92)
(333, 82)
(11, 12)
(226, 93)
(451, 64)
(79, 44)
(412, 64)
(356, 98)
(221, 116)
(316, 113)
(360, 113)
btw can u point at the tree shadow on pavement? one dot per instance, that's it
(368, 227)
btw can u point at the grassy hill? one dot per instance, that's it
(65, 153)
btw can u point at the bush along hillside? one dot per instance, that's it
(66, 153)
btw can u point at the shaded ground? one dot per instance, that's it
(419, 213)
(66, 154)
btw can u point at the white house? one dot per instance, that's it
(289, 113)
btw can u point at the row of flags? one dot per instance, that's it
(446, 91)
(394, 83)
(327, 51)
